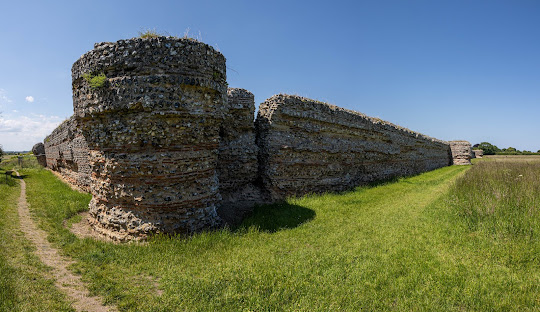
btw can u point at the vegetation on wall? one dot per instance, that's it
(96, 81)
(150, 33)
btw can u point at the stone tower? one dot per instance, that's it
(151, 111)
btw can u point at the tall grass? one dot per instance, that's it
(500, 197)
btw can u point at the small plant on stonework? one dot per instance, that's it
(149, 33)
(95, 81)
(188, 36)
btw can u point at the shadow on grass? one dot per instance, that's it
(275, 217)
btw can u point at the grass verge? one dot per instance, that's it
(369, 249)
(25, 283)
(454, 239)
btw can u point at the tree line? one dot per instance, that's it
(490, 149)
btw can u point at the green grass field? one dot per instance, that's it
(430, 242)
(25, 283)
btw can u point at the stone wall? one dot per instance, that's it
(309, 146)
(165, 147)
(478, 153)
(66, 152)
(461, 152)
(153, 134)
(39, 151)
(237, 160)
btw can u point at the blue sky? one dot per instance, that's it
(449, 69)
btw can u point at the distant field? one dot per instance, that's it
(513, 158)
(460, 238)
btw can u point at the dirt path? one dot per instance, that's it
(65, 280)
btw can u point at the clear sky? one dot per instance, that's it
(449, 69)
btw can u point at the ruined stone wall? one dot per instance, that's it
(66, 152)
(309, 146)
(237, 160)
(461, 152)
(39, 151)
(478, 153)
(165, 147)
(153, 134)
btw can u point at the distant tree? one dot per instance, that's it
(476, 145)
(488, 148)
(1, 152)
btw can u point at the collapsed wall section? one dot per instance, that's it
(309, 147)
(237, 161)
(152, 129)
(478, 153)
(66, 152)
(39, 151)
(461, 152)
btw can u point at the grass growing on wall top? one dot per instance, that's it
(400, 246)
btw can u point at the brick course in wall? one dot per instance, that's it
(309, 146)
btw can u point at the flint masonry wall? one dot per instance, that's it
(153, 134)
(66, 152)
(237, 165)
(163, 146)
(461, 152)
(478, 153)
(39, 151)
(309, 146)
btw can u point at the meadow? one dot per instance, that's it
(460, 238)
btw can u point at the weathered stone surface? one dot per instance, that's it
(309, 146)
(478, 153)
(153, 134)
(164, 146)
(66, 152)
(39, 151)
(461, 152)
(237, 161)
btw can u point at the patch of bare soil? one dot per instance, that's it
(83, 229)
(66, 281)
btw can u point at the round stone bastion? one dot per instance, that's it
(150, 111)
